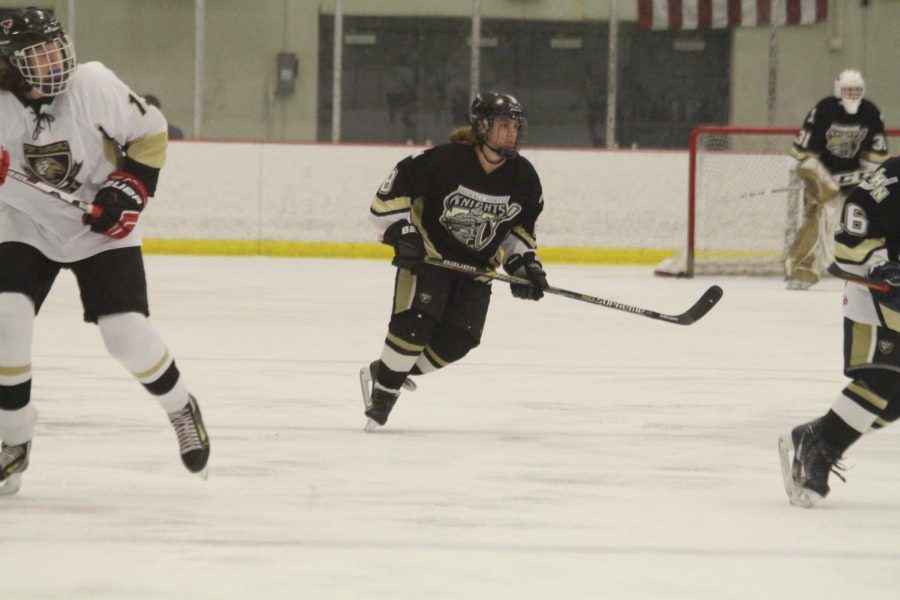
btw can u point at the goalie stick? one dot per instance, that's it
(878, 286)
(702, 306)
(91, 209)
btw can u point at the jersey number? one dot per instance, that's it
(855, 221)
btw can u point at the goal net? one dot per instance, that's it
(744, 205)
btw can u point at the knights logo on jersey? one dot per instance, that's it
(53, 165)
(885, 347)
(844, 141)
(473, 218)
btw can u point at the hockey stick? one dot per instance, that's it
(878, 286)
(91, 209)
(702, 306)
(841, 179)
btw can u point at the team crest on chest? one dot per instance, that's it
(843, 141)
(473, 218)
(53, 164)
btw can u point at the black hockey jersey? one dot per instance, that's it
(840, 139)
(868, 234)
(463, 213)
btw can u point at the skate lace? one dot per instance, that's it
(186, 430)
(10, 455)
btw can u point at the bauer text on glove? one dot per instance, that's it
(409, 249)
(122, 197)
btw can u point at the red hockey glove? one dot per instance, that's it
(527, 266)
(122, 197)
(887, 272)
(4, 164)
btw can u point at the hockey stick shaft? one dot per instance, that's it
(91, 209)
(878, 286)
(690, 316)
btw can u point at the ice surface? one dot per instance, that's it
(580, 452)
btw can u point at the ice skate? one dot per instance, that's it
(193, 442)
(13, 462)
(382, 406)
(377, 402)
(806, 462)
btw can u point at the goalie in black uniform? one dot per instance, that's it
(474, 200)
(841, 136)
(867, 245)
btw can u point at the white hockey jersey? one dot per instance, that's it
(80, 139)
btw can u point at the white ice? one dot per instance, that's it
(579, 452)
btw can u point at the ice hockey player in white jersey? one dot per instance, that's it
(79, 129)
(866, 246)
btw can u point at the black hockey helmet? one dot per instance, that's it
(34, 43)
(487, 106)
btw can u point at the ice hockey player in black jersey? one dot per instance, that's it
(866, 246)
(475, 201)
(842, 136)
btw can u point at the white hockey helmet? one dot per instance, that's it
(849, 88)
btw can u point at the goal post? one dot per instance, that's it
(743, 205)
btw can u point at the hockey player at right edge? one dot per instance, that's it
(866, 245)
(842, 137)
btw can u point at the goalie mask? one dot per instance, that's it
(489, 105)
(34, 43)
(850, 88)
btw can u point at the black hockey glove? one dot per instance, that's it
(887, 272)
(527, 266)
(121, 197)
(409, 249)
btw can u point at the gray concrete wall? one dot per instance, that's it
(150, 44)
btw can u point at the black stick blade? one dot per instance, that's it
(702, 306)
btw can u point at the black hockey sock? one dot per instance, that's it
(391, 380)
(837, 433)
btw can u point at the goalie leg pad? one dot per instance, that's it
(820, 185)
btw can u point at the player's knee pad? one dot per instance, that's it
(412, 328)
(133, 341)
(447, 345)
(16, 332)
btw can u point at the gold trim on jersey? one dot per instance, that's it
(415, 217)
(394, 205)
(12, 371)
(149, 150)
(858, 254)
(521, 233)
(867, 395)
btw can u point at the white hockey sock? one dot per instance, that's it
(134, 342)
(16, 333)
(853, 414)
(17, 426)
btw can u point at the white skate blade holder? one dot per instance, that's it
(365, 384)
(797, 495)
(11, 485)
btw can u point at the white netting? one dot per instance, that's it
(746, 204)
